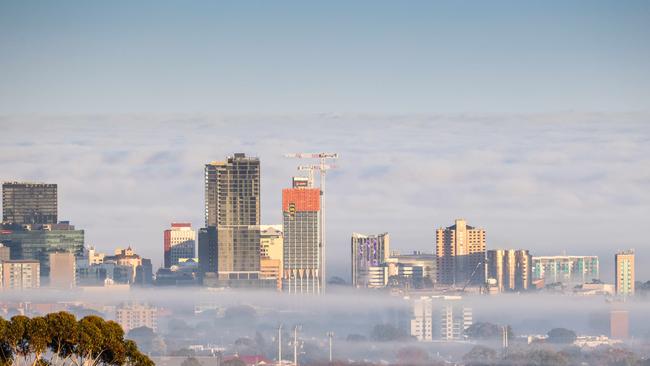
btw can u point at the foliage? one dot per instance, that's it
(561, 336)
(484, 330)
(356, 338)
(191, 361)
(387, 333)
(233, 362)
(58, 338)
(412, 356)
(537, 357)
(480, 355)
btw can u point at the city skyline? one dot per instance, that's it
(275, 165)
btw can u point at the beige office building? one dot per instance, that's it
(511, 269)
(20, 274)
(624, 273)
(62, 270)
(460, 254)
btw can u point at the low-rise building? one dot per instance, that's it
(20, 274)
(130, 316)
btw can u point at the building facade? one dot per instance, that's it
(179, 242)
(512, 269)
(302, 272)
(440, 318)
(566, 269)
(368, 251)
(29, 203)
(624, 278)
(38, 241)
(131, 316)
(5, 253)
(208, 253)
(232, 206)
(460, 255)
(62, 270)
(20, 274)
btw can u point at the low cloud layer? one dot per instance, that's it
(550, 183)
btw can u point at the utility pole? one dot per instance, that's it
(330, 335)
(295, 346)
(504, 338)
(280, 345)
(323, 167)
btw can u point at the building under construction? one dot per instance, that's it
(302, 272)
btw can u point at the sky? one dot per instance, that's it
(529, 119)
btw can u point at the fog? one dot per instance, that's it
(246, 322)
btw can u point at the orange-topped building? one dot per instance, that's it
(302, 272)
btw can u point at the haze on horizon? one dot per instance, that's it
(529, 120)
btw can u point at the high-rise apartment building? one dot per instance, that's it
(460, 254)
(29, 203)
(179, 243)
(624, 273)
(62, 270)
(20, 274)
(566, 269)
(368, 251)
(302, 272)
(422, 320)
(512, 269)
(232, 205)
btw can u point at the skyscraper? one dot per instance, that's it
(367, 251)
(302, 271)
(512, 269)
(624, 272)
(29, 203)
(232, 205)
(179, 242)
(460, 255)
(208, 253)
(271, 253)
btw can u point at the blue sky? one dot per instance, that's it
(335, 56)
(522, 117)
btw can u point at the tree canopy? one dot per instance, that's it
(59, 338)
(561, 336)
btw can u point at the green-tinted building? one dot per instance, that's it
(567, 269)
(38, 241)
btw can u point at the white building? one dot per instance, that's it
(440, 317)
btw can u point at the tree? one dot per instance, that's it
(480, 355)
(412, 356)
(485, 330)
(90, 341)
(191, 361)
(537, 357)
(356, 338)
(387, 333)
(561, 336)
(234, 362)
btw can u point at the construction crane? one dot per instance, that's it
(322, 167)
(471, 277)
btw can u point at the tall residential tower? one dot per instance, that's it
(460, 255)
(232, 206)
(624, 272)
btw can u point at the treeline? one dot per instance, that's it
(61, 339)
